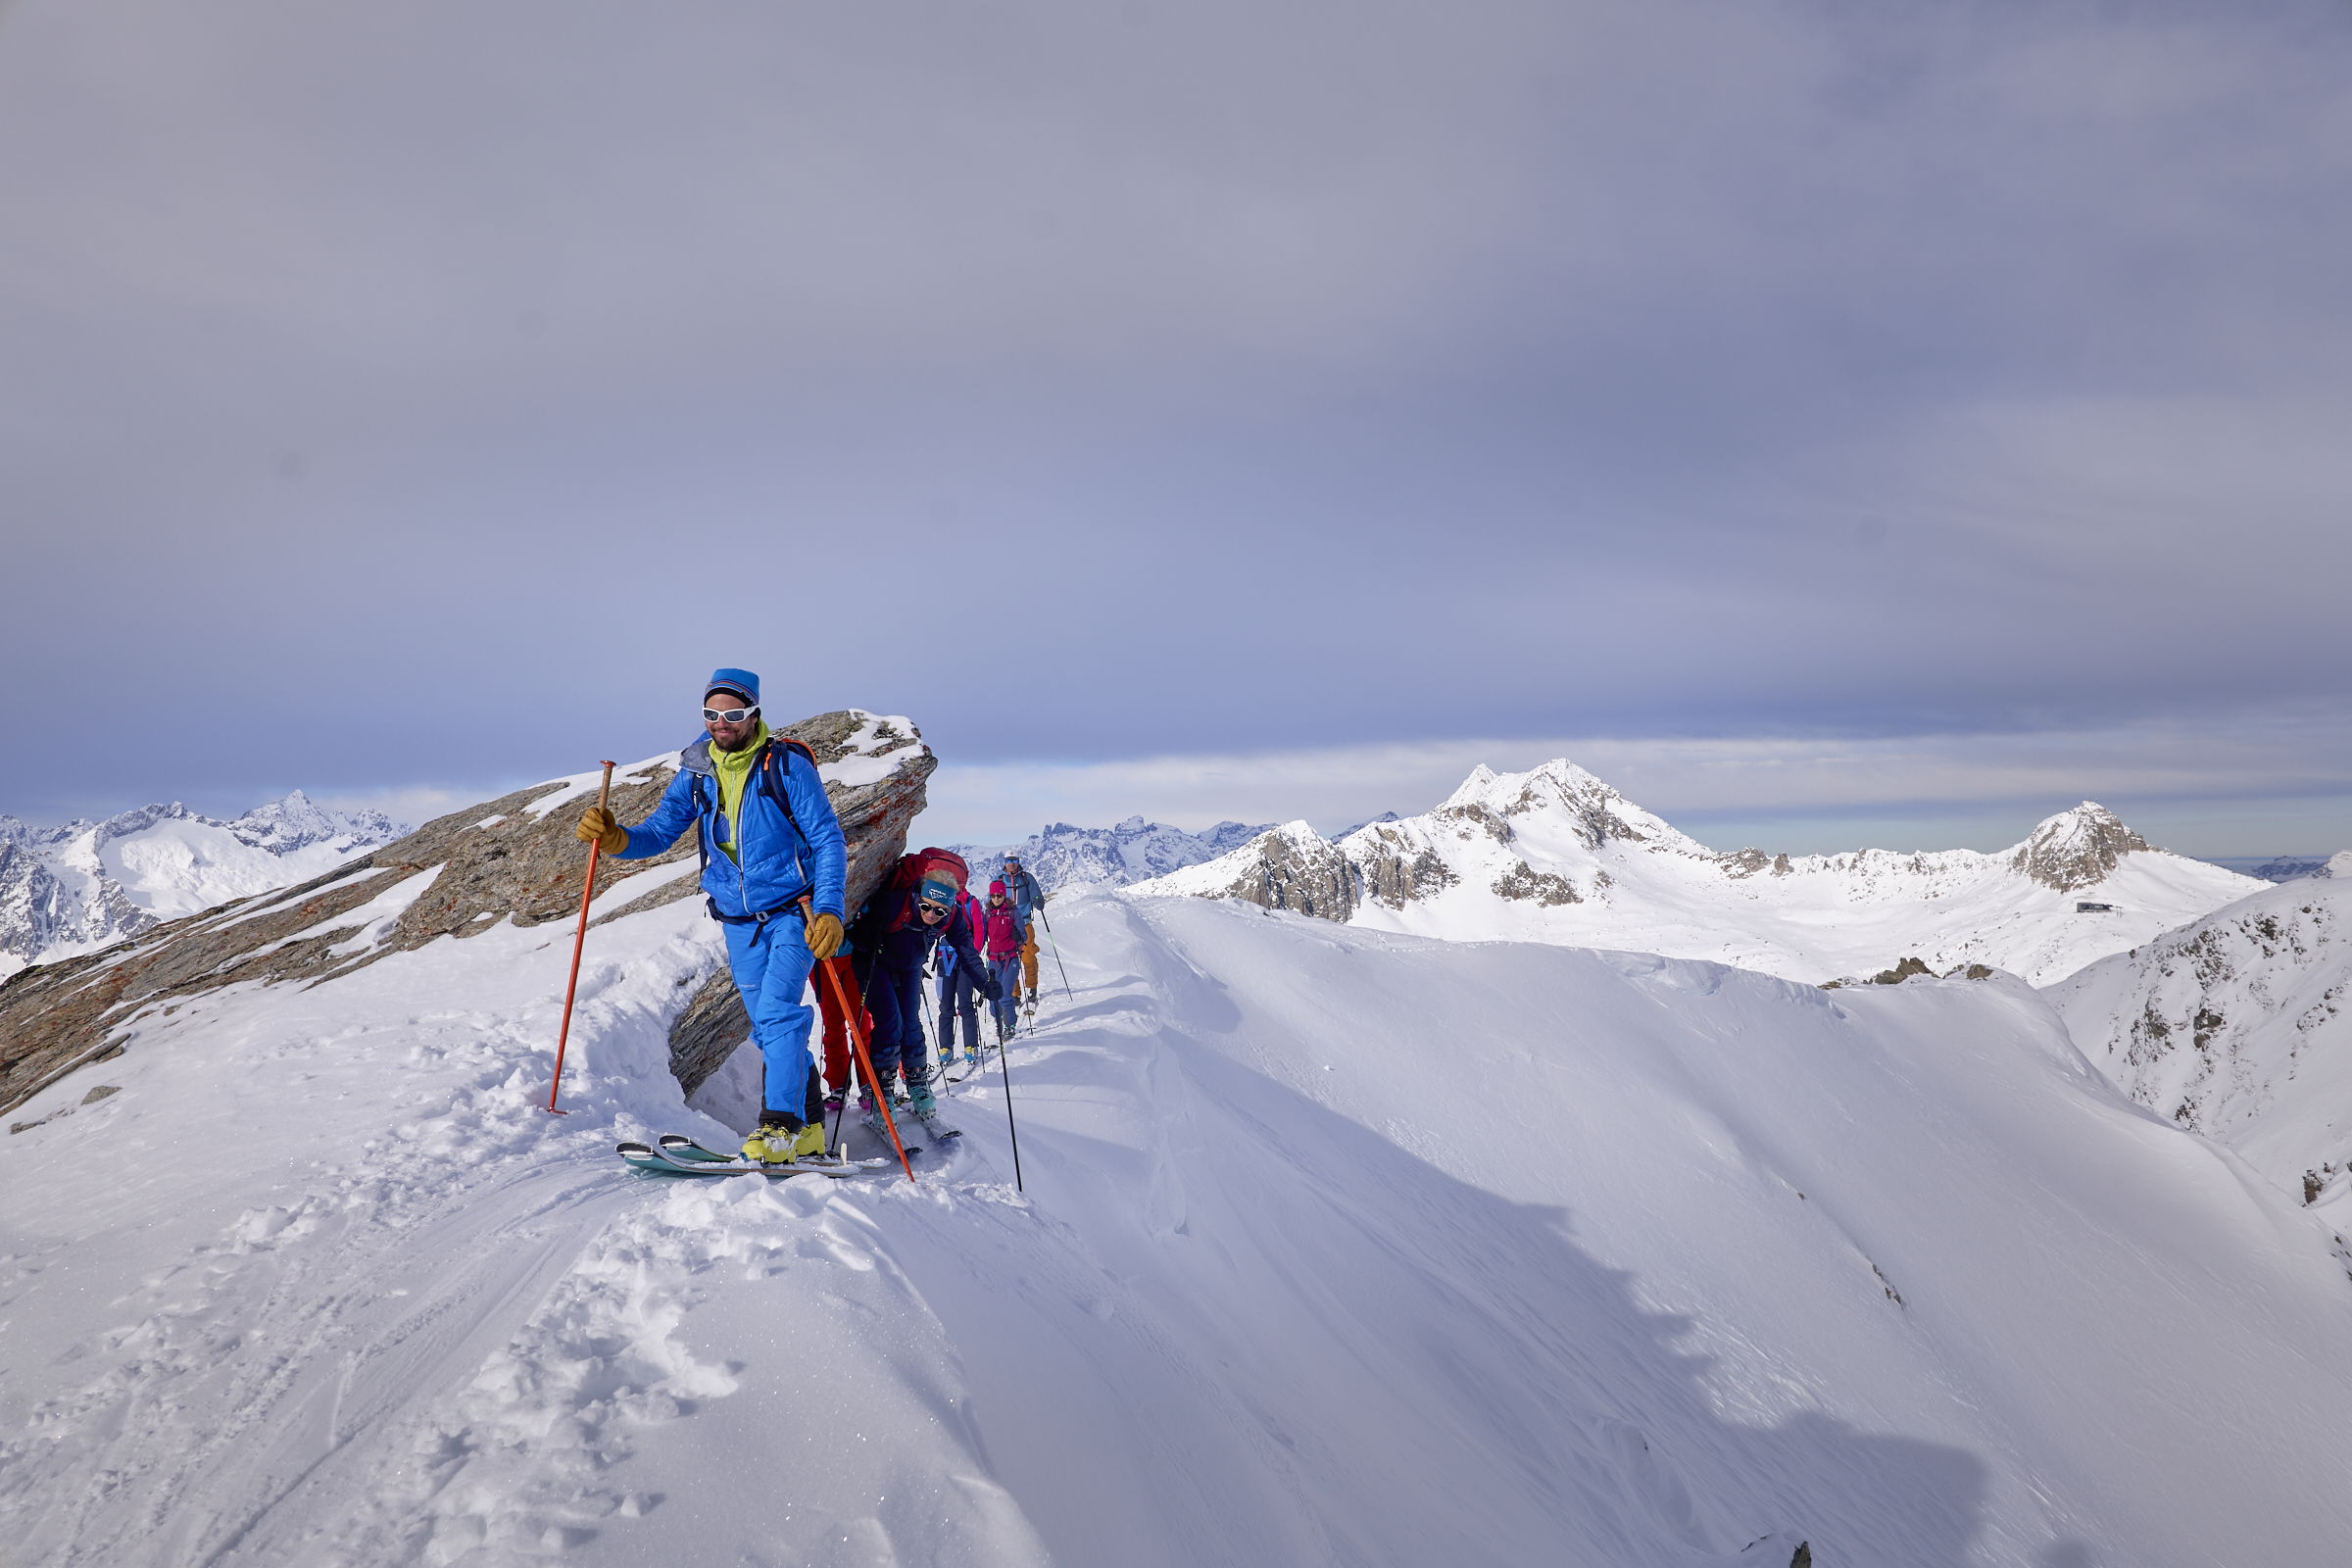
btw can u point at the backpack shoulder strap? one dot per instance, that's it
(702, 829)
(772, 773)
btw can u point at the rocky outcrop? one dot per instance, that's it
(1296, 868)
(2077, 849)
(1745, 864)
(510, 858)
(1394, 869)
(1547, 888)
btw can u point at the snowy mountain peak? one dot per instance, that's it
(1594, 812)
(2077, 849)
(295, 822)
(1472, 789)
(79, 886)
(1555, 855)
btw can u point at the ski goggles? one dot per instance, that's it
(729, 716)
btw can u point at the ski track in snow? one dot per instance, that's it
(1623, 1294)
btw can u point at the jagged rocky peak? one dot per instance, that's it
(1294, 868)
(1597, 813)
(2077, 849)
(295, 822)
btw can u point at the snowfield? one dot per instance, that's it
(1338, 1245)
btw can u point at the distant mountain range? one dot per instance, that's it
(81, 885)
(1554, 854)
(2274, 868)
(1061, 855)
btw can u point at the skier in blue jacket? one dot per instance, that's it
(768, 838)
(1027, 899)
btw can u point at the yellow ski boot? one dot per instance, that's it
(777, 1143)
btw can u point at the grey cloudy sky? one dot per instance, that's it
(414, 400)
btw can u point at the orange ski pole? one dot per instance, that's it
(579, 941)
(852, 1019)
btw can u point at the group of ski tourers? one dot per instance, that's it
(775, 868)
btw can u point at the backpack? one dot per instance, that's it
(768, 773)
(922, 865)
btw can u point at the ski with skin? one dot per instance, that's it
(937, 1128)
(965, 1069)
(677, 1146)
(655, 1162)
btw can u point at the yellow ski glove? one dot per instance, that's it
(598, 826)
(825, 936)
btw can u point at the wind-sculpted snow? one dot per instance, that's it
(1554, 854)
(1338, 1245)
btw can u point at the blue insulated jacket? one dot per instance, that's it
(773, 865)
(1026, 895)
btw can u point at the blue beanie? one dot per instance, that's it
(741, 683)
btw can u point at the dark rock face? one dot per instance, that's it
(2077, 849)
(497, 860)
(1748, 863)
(1478, 818)
(1547, 888)
(1307, 879)
(1392, 876)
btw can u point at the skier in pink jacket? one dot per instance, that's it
(1000, 942)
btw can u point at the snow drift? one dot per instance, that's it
(1339, 1246)
(1554, 854)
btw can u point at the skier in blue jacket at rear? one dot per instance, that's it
(768, 838)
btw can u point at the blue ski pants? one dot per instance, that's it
(1008, 992)
(959, 998)
(771, 962)
(895, 1000)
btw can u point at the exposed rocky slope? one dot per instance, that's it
(2236, 1026)
(1554, 854)
(80, 886)
(508, 859)
(1060, 856)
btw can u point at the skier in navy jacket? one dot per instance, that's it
(890, 945)
(768, 838)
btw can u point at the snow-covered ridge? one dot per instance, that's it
(1337, 1245)
(1061, 855)
(2239, 1026)
(80, 886)
(1555, 855)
